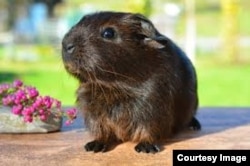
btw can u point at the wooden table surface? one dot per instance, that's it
(222, 128)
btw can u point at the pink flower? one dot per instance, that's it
(43, 117)
(4, 88)
(32, 92)
(71, 112)
(26, 102)
(20, 96)
(27, 111)
(8, 100)
(5, 101)
(47, 101)
(28, 118)
(17, 83)
(38, 102)
(68, 122)
(41, 112)
(58, 104)
(17, 110)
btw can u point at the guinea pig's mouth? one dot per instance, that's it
(72, 69)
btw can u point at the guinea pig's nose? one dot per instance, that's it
(69, 48)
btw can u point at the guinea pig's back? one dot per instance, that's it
(186, 97)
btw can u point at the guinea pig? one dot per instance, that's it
(135, 84)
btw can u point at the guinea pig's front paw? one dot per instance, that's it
(195, 124)
(95, 146)
(146, 148)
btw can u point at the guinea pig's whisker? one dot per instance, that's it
(115, 73)
(93, 89)
(101, 87)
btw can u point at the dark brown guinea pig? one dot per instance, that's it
(135, 84)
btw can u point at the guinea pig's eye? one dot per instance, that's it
(108, 33)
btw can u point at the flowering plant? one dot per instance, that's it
(26, 102)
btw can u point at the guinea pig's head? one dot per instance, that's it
(112, 46)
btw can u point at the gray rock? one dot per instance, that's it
(10, 123)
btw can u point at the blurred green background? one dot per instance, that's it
(31, 33)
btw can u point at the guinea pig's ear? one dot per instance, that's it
(149, 33)
(156, 42)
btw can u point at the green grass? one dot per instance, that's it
(223, 84)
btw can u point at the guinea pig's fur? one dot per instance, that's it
(135, 84)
